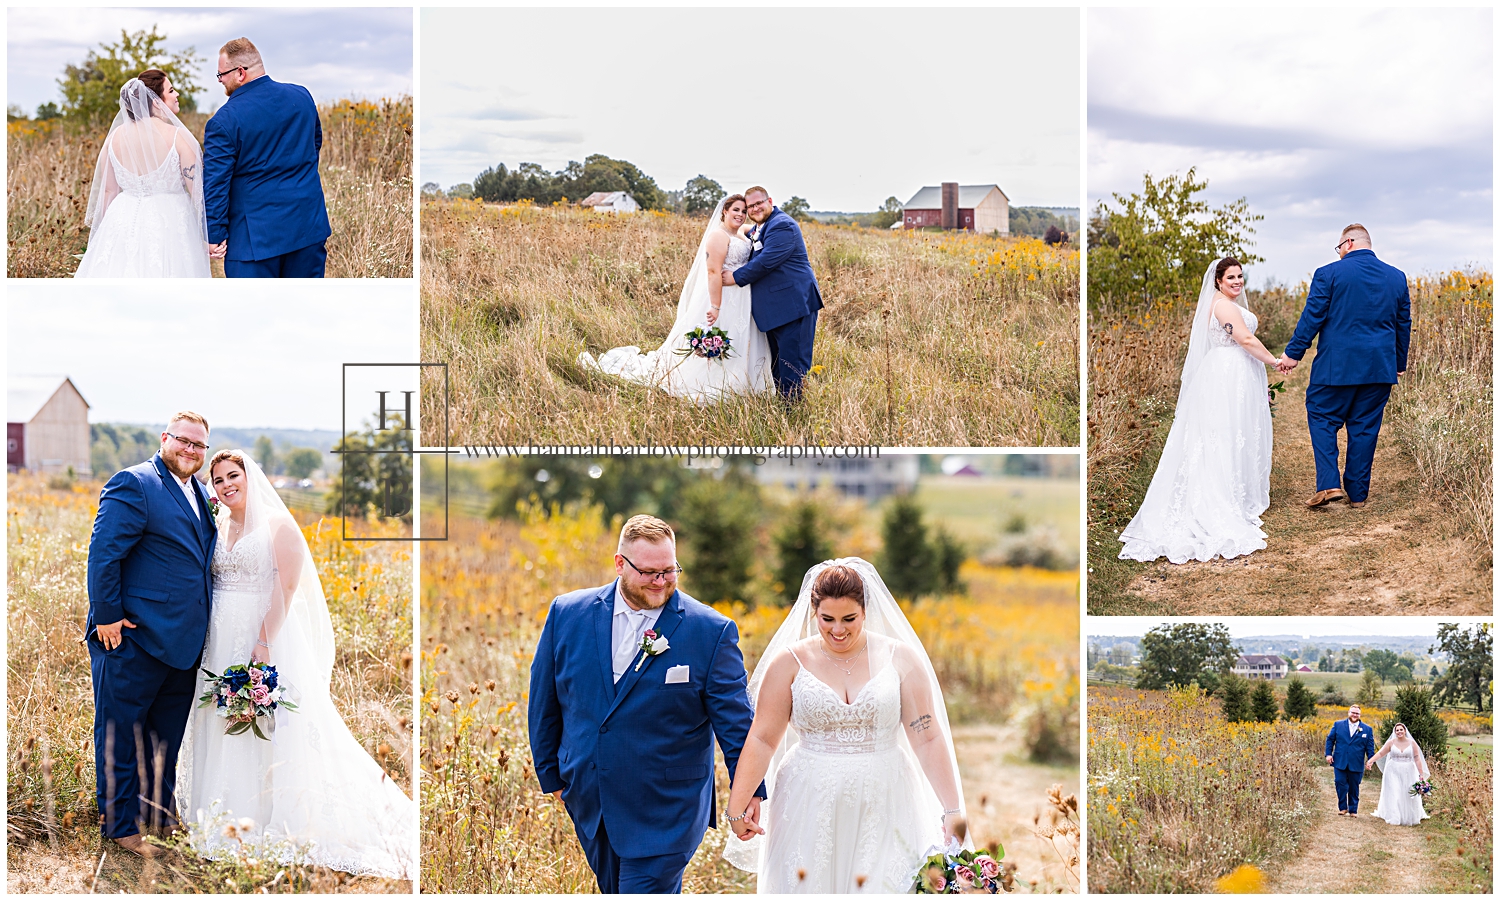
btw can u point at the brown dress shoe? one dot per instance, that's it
(138, 846)
(1356, 504)
(1324, 496)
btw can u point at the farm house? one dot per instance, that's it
(47, 425)
(976, 208)
(1260, 666)
(610, 202)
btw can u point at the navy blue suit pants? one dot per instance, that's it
(141, 709)
(304, 262)
(1358, 409)
(791, 353)
(1346, 783)
(659, 875)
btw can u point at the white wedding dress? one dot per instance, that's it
(1399, 770)
(145, 211)
(312, 790)
(747, 368)
(850, 801)
(849, 808)
(1213, 480)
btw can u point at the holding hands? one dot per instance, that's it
(1285, 364)
(747, 825)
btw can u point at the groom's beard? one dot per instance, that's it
(175, 467)
(643, 601)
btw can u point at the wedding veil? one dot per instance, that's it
(883, 616)
(140, 140)
(1198, 343)
(1417, 755)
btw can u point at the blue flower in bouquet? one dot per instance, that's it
(1421, 787)
(244, 694)
(236, 677)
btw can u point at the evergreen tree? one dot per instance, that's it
(716, 536)
(1263, 708)
(1415, 709)
(800, 545)
(1299, 701)
(1369, 688)
(907, 563)
(1234, 694)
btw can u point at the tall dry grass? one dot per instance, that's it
(487, 828)
(1463, 796)
(54, 842)
(1179, 798)
(925, 339)
(365, 166)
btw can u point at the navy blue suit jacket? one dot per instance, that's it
(149, 563)
(1349, 752)
(637, 756)
(1360, 311)
(261, 189)
(785, 287)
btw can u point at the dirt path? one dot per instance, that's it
(1388, 559)
(1004, 792)
(1343, 855)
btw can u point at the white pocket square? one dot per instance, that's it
(677, 674)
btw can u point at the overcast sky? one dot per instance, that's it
(247, 358)
(1305, 626)
(842, 107)
(334, 53)
(1320, 117)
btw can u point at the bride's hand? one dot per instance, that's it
(713, 315)
(950, 826)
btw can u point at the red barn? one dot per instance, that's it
(976, 208)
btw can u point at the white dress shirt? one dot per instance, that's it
(192, 495)
(626, 628)
(1353, 728)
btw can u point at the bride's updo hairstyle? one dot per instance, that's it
(220, 457)
(1224, 266)
(838, 582)
(154, 79)
(729, 202)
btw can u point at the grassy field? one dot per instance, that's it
(925, 339)
(974, 509)
(1006, 653)
(365, 166)
(1181, 801)
(1423, 544)
(54, 843)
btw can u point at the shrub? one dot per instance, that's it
(1299, 701)
(1263, 702)
(1234, 694)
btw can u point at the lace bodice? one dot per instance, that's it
(1406, 755)
(738, 253)
(825, 723)
(245, 567)
(1217, 337)
(165, 179)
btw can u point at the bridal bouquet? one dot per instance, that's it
(243, 694)
(960, 872)
(1272, 391)
(1421, 787)
(711, 343)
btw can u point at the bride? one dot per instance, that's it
(1403, 765)
(312, 785)
(704, 302)
(145, 212)
(865, 783)
(1214, 478)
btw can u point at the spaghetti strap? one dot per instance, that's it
(796, 658)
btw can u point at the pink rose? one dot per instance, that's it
(964, 874)
(988, 867)
(260, 695)
(651, 633)
(257, 676)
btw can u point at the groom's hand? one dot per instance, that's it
(110, 635)
(558, 795)
(727, 278)
(1329, 758)
(217, 251)
(1286, 364)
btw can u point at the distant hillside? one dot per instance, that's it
(118, 445)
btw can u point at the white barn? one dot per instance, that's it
(47, 425)
(977, 208)
(610, 202)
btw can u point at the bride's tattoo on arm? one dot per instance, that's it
(921, 723)
(1229, 328)
(187, 172)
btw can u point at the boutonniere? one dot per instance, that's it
(213, 506)
(651, 645)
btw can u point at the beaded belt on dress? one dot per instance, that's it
(834, 746)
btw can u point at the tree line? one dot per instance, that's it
(91, 89)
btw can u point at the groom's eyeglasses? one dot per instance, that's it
(200, 448)
(1340, 246)
(221, 75)
(664, 574)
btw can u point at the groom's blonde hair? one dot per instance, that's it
(644, 527)
(241, 52)
(1357, 232)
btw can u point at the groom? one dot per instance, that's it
(261, 191)
(149, 592)
(1359, 310)
(631, 684)
(1349, 745)
(785, 302)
